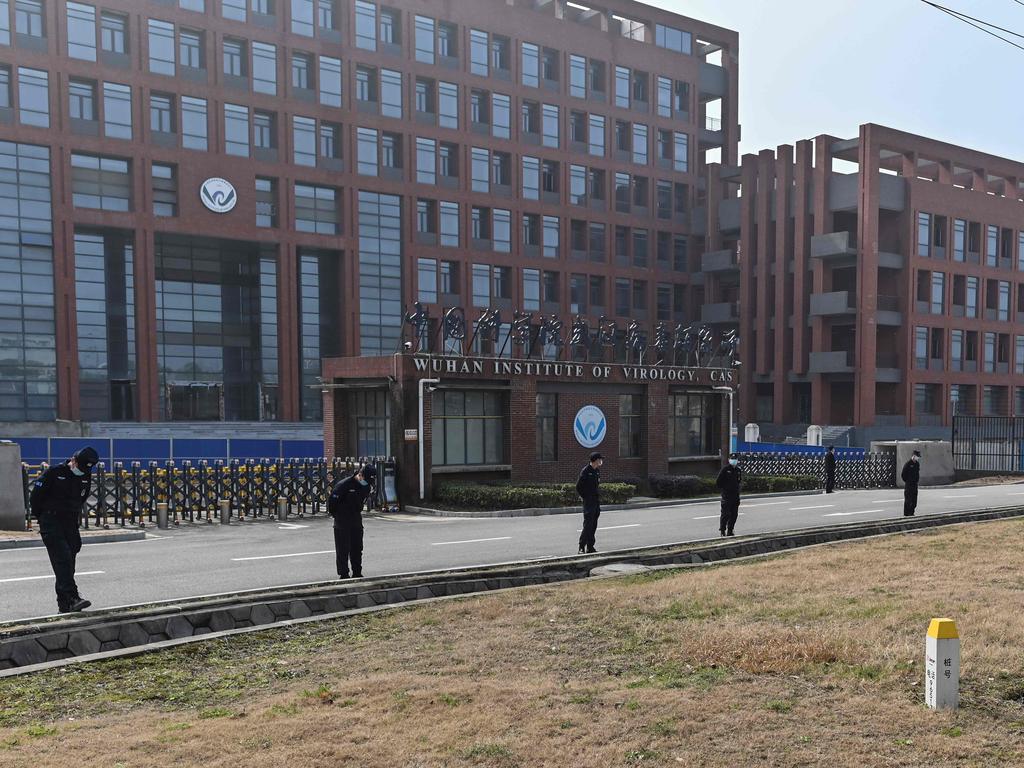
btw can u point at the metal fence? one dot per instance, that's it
(988, 443)
(863, 470)
(128, 495)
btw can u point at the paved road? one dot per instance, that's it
(209, 560)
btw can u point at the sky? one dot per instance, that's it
(809, 67)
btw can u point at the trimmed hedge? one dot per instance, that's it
(688, 486)
(506, 496)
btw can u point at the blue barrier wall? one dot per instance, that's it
(36, 450)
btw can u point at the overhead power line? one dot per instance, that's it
(979, 24)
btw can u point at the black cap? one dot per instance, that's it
(595, 456)
(86, 458)
(369, 472)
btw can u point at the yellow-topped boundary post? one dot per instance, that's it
(942, 665)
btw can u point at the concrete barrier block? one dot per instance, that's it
(299, 610)
(55, 642)
(26, 652)
(83, 642)
(132, 634)
(106, 634)
(111, 645)
(179, 627)
(221, 621)
(261, 614)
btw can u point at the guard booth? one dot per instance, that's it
(519, 399)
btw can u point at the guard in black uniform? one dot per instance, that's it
(589, 488)
(911, 476)
(728, 482)
(346, 507)
(830, 470)
(56, 501)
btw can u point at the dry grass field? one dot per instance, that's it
(812, 658)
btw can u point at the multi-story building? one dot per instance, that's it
(881, 281)
(545, 155)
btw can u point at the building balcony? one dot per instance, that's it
(712, 82)
(835, 303)
(831, 362)
(712, 133)
(719, 261)
(835, 245)
(726, 312)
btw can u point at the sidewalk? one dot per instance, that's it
(28, 539)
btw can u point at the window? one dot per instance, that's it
(448, 155)
(5, 87)
(391, 93)
(938, 291)
(630, 408)
(424, 39)
(426, 161)
(304, 140)
(549, 177)
(114, 32)
(664, 91)
(233, 9)
(117, 111)
(480, 169)
(425, 96)
(161, 113)
(448, 105)
(693, 425)
(674, 39)
(302, 17)
(33, 97)
(264, 129)
(577, 76)
(622, 86)
(366, 84)
(81, 31)
(481, 285)
(531, 290)
(161, 47)
(501, 48)
(501, 116)
(165, 190)
(972, 297)
(992, 246)
(193, 123)
(316, 209)
(236, 130)
(448, 40)
(391, 150)
(327, 15)
(330, 141)
(501, 231)
(390, 26)
(595, 135)
(100, 182)
(450, 278)
(264, 68)
(234, 58)
(468, 428)
(531, 178)
(547, 427)
(959, 239)
(478, 58)
(366, 151)
(681, 152)
(29, 19)
(639, 143)
(550, 125)
(190, 49)
(622, 296)
(530, 65)
(427, 280)
(302, 71)
(82, 100)
(330, 81)
(449, 225)
(366, 25)
(924, 229)
(426, 216)
(921, 347)
(266, 202)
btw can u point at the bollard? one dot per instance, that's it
(942, 665)
(161, 516)
(225, 511)
(282, 509)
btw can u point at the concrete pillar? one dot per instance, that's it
(12, 495)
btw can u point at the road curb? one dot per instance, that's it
(542, 511)
(31, 645)
(87, 538)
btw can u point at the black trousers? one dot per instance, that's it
(830, 482)
(587, 537)
(909, 499)
(730, 513)
(63, 543)
(348, 545)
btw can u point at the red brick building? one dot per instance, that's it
(881, 283)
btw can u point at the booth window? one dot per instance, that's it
(371, 421)
(547, 427)
(693, 427)
(630, 408)
(468, 428)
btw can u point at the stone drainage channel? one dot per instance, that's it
(32, 646)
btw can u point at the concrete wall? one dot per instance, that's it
(12, 495)
(936, 459)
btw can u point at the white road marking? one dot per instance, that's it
(820, 506)
(887, 501)
(470, 541)
(1015, 494)
(767, 504)
(961, 496)
(845, 514)
(274, 557)
(50, 576)
(712, 517)
(612, 527)
(290, 526)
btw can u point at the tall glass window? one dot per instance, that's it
(680, 152)
(550, 125)
(596, 135)
(693, 425)
(501, 116)
(302, 17)
(992, 246)
(468, 428)
(33, 97)
(547, 426)
(630, 423)
(959, 239)
(194, 125)
(448, 213)
(391, 93)
(81, 31)
(82, 100)
(425, 39)
(114, 32)
(924, 230)
(366, 25)
(304, 140)
(478, 59)
(448, 105)
(101, 182)
(577, 76)
(530, 65)
(236, 130)
(316, 209)
(426, 161)
(380, 273)
(264, 68)
(161, 47)
(330, 81)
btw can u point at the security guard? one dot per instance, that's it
(911, 476)
(588, 486)
(729, 481)
(345, 505)
(56, 501)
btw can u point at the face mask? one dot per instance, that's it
(363, 482)
(733, 462)
(77, 472)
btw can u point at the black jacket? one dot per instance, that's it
(347, 499)
(60, 493)
(830, 463)
(911, 474)
(729, 480)
(589, 488)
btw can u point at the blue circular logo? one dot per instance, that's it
(590, 426)
(218, 195)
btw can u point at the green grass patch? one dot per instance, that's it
(213, 713)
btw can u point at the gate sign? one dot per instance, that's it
(590, 426)
(218, 195)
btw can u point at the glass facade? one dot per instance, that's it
(28, 357)
(318, 332)
(468, 428)
(380, 273)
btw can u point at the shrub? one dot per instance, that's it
(486, 496)
(688, 486)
